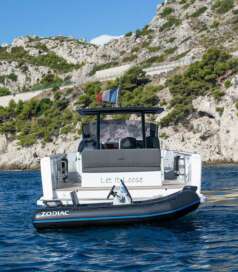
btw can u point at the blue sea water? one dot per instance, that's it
(206, 240)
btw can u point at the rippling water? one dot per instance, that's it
(206, 240)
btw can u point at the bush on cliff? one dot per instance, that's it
(223, 6)
(167, 11)
(88, 98)
(48, 81)
(141, 96)
(37, 120)
(4, 91)
(199, 12)
(135, 89)
(134, 78)
(50, 59)
(201, 78)
(171, 22)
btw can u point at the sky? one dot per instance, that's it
(78, 18)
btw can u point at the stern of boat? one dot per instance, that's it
(87, 177)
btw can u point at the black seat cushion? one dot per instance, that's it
(128, 143)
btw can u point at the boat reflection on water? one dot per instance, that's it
(224, 197)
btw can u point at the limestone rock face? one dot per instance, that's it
(12, 156)
(178, 32)
(3, 144)
(213, 133)
(26, 75)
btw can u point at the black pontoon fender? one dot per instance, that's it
(154, 210)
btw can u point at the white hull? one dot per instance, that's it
(94, 187)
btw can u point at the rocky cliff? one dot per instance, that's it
(183, 28)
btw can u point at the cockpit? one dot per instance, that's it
(119, 134)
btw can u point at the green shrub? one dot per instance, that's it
(154, 49)
(223, 6)
(140, 96)
(177, 115)
(134, 78)
(217, 94)
(180, 56)
(187, 3)
(88, 98)
(164, 136)
(158, 59)
(228, 84)
(215, 24)
(171, 21)
(4, 91)
(144, 31)
(153, 60)
(67, 129)
(34, 38)
(84, 100)
(199, 12)
(49, 81)
(220, 110)
(170, 51)
(41, 47)
(185, 40)
(26, 139)
(2, 79)
(128, 34)
(12, 77)
(129, 58)
(167, 11)
(171, 40)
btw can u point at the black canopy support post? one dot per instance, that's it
(143, 129)
(98, 130)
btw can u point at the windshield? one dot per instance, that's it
(116, 134)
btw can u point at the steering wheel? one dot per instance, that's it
(111, 192)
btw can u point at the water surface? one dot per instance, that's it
(206, 240)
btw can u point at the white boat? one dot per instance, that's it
(119, 174)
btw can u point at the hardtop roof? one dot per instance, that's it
(121, 110)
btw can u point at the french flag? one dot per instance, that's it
(108, 96)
